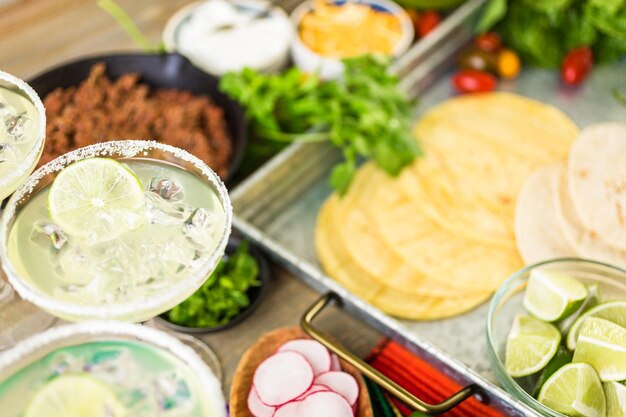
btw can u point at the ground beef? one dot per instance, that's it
(100, 110)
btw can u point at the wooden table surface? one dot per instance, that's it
(38, 34)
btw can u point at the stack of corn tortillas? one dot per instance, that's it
(578, 208)
(439, 239)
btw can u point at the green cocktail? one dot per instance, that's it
(100, 369)
(126, 231)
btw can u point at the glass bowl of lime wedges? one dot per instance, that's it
(556, 337)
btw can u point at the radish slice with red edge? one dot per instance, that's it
(282, 377)
(342, 383)
(317, 355)
(324, 404)
(314, 388)
(256, 406)
(335, 365)
(288, 410)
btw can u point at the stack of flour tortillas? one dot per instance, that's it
(439, 239)
(578, 208)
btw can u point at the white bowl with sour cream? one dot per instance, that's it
(261, 44)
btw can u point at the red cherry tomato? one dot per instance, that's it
(577, 65)
(428, 21)
(489, 42)
(473, 81)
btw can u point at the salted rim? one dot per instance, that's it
(120, 149)
(35, 152)
(143, 334)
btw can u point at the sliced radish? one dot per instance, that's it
(317, 355)
(288, 410)
(324, 404)
(314, 388)
(282, 377)
(342, 383)
(335, 365)
(256, 406)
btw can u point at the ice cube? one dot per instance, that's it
(16, 125)
(172, 393)
(48, 235)
(200, 227)
(63, 362)
(167, 189)
(114, 366)
(8, 153)
(164, 212)
(75, 267)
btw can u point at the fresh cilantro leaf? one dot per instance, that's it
(365, 115)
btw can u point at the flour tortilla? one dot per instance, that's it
(538, 230)
(597, 181)
(585, 242)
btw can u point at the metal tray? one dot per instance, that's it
(277, 208)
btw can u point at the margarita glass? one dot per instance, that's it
(22, 135)
(176, 240)
(107, 369)
(22, 132)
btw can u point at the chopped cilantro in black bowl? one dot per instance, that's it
(231, 293)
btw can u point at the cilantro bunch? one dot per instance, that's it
(364, 114)
(223, 295)
(543, 31)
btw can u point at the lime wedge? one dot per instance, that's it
(96, 198)
(614, 311)
(615, 393)
(553, 295)
(560, 359)
(75, 396)
(576, 391)
(602, 344)
(593, 299)
(530, 346)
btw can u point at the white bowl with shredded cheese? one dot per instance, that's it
(219, 36)
(360, 26)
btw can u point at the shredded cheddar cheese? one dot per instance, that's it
(348, 30)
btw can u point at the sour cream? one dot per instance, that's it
(261, 44)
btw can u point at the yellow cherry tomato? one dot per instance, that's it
(509, 64)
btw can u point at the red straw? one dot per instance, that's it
(423, 380)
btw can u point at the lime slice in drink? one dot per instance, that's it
(602, 344)
(614, 311)
(530, 346)
(75, 396)
(96, 198)
(574, 390)
(615, 393)
(553, 295)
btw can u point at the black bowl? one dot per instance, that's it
(158, 71)
(255, 294)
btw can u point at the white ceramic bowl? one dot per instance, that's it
(171, 36)
(332, 68)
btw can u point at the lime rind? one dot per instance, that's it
(576, 391)
(530, 346)
(602, 344)
(614, 311)
(75, 395)
(594, 297)
(552, 295)
(96, 199)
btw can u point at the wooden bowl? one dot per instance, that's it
(266, 346)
